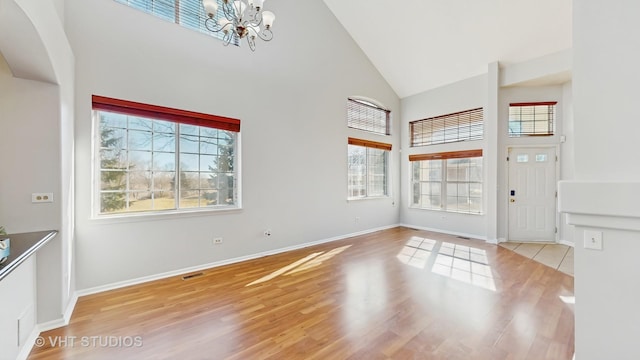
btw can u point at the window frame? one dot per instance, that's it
(171, 115)
(443, 158)
(369, 145)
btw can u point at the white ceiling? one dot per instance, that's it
(419, 45)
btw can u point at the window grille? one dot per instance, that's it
(460, 126)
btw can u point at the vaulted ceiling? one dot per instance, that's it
(419, 45)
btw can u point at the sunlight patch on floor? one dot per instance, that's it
(458, 262)
(306, 263)
(466, 264)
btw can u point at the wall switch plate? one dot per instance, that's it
(42, 198)
(593, 239)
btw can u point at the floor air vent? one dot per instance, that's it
(190, 276)
(463, 237)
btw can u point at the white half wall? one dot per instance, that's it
(604, 196)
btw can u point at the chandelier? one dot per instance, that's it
(239, 19)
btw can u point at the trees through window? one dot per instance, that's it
(163, 162)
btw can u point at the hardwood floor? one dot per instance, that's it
(394, 294)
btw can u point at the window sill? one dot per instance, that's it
(445, 211)
(368, 198)
(162, 215)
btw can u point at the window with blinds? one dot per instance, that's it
(460, 126)
(363, 115)
(532, 119)
(449, 181)
(368, 163)
(152, 158)
(187, 13)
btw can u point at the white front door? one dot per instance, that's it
(532, 194)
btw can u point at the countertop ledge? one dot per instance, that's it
(24, 245)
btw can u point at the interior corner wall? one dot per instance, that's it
(290, 95)
(468, 94)
(464, 95)
(567, 157)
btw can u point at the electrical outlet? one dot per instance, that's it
(267, 232)
(42, 197)
(217, 241)
(357, 219)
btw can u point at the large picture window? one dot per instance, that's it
(449, 181)
(153, 158)
(368, 168)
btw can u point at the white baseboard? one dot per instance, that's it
(472, 236)
(28, 344)
(566, 242)
(50, 325)
(70, 307)
(144, 279)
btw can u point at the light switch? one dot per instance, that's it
(593, 239)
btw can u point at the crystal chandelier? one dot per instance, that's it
(239, 19)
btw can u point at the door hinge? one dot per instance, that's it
(556, 158)
(507, 158)
(556, 194)
(556, 230)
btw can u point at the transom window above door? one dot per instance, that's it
(532, 119)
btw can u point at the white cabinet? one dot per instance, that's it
(17, 309)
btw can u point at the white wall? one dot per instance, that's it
(605, 82)
(28, 152)
(290, 95)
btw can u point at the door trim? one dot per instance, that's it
(506, 187)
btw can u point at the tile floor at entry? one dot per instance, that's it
(557, 256)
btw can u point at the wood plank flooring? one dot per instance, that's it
(394, 294)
